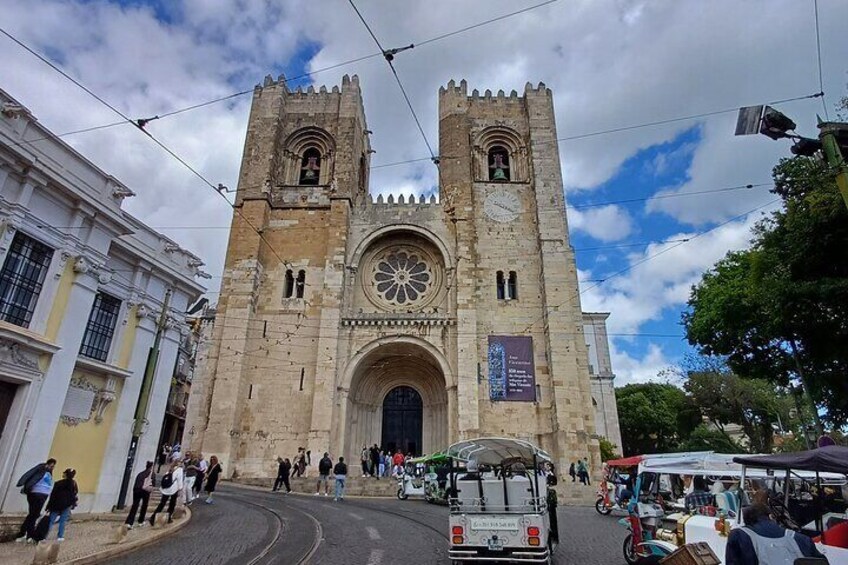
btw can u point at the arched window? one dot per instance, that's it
(499, 282)
(512, 286)
(498, 163)
(310, 166)
(300, 283)
(288, 287)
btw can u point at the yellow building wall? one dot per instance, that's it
(83, 446)
(60, 302)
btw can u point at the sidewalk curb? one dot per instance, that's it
(115, 550)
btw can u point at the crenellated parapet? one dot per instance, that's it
(401, 200)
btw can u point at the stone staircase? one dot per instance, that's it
(355, 486)
(576, 494)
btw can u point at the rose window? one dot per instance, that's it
(402, 277)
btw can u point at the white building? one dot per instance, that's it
(601, 377)
(82, 284)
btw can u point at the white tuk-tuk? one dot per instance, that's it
(500, 506)
(790, 479)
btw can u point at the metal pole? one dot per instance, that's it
(143, 400)
(833, 155)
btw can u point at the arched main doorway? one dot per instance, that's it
(398, 400)
(402, 420)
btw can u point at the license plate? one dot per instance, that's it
(494, 523)
(495, 545)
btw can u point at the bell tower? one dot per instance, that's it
(501, 185)
(304, 167)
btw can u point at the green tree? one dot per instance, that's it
(609, 450)
(704, 438)
(723, 398)
(653, 417)
(779, 310)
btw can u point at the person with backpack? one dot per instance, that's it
(144, 484)
(63, 499)
(171, 487)
(324, 467)
(36, 484)
(212, 478)
(340, 471)
(762, 541)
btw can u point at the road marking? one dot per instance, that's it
(354, 516)
(373, 533)
(376, 557)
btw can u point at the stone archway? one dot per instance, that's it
(377, 378)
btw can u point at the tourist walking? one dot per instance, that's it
(586, 470)
(340, 471)
(364, 457)
(573, 472)
(171, 487)
(62, 500)
(381, 466)
(143, 485)
(283, 470)
(190, 478)
(212, 475)
(36, 484)
(164, 453)
(374, 454)
(299, 462)
(202, 467)
(582, 472)
(325, 465)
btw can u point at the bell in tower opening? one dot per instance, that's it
(498, 164)
(310, 166)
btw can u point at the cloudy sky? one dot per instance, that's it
(610, 63)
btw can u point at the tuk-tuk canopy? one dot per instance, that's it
(829, 459)
(625, 461)
(433, 458)
(711, 464)
(494, 451)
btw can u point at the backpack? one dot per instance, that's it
(167, 480)
(147, 484)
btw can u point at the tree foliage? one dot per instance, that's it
(609, 450)
(653, 417)
(779, 310)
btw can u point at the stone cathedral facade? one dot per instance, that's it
(408, 323)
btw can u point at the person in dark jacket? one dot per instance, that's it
(144, 484)
(62, 500)
(340, 471)
(36, 484)
(374, 453)
(284, 467)
(325, 465)
(776, 544)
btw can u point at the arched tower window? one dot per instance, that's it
(310, 167)
(500, 155)
(288, 286)
(512, 286)
(300, 283)
(498, 163)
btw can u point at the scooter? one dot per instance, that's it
(410, 485)
(607, 500)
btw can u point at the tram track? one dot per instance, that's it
(281, 528)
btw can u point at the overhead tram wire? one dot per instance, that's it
(148, 134)
(297, 77)
(819, 58)
(389, 55)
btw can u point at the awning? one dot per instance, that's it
(631, 461)
(832, 459)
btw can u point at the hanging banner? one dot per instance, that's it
(512, 374)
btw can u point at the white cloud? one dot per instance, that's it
(610, 64)
(631, 369)
(604, 223)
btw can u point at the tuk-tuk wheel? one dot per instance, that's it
(630, 553)
(402, 495)
(602, 508)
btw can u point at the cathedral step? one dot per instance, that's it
(354, 486)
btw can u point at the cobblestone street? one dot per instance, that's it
(251, 526)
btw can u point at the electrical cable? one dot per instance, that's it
(672, 195)
(149, 135)
(388, 58)
(819, 57)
